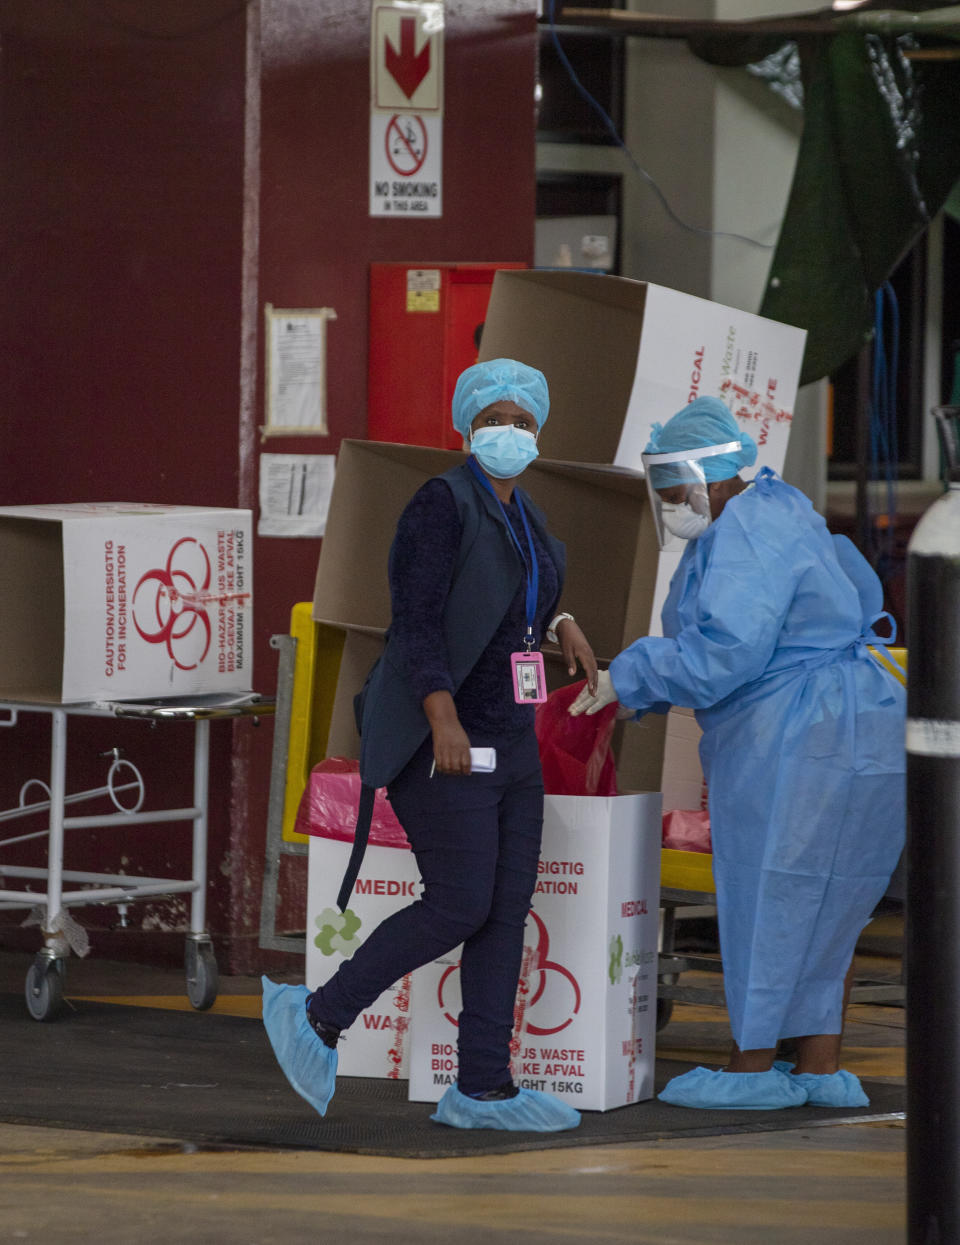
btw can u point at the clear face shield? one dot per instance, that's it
(677, 485)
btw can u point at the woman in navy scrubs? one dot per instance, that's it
(475, 581)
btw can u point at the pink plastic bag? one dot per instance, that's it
(328, 806)
(575, 752)
(687, 830)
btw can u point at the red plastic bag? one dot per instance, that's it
(328, 806)
(575, 752)
(687, 830)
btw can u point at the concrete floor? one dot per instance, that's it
(835, 1185)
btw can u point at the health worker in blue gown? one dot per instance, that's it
(766, 630)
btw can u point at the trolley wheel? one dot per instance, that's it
(44, 988)
(664, 1012)
(203, 976)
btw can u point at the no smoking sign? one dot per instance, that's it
(406, 108)
(405, 165)
(406, 144)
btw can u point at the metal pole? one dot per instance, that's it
(201, 787)
(933, 874)
(58, 783)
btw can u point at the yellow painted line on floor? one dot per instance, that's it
(246, 1005)
(872, 1061)
(603, 1214)
(693, 1013)
(707, 1055)
(769, 1159)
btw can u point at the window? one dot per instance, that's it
(597, 60)
(578, 218)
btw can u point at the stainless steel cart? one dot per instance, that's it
(66, 888)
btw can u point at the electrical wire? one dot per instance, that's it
(611, 128)
(884, 449)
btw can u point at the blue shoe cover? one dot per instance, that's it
(308, 1064)
(734, 1091)
(835, 1089)
(529, 1112)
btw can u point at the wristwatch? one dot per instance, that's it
(555, 623)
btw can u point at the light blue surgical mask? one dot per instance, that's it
(504, 451)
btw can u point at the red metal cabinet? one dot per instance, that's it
(424, 329)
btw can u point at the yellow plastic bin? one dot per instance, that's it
(319, 649)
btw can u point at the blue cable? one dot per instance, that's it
(635, 165)
(884, 450)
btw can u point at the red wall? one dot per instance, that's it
(164, 175)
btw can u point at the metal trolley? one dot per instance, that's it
(67, 888)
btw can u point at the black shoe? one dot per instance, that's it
(502, 1092)
(328, 1034)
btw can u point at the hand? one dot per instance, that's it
(576, 648)
(451, 749)
(451, 743)
(592, 702)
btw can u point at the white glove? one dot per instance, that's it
(585, 703)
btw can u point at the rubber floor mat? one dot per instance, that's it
(210, 1080)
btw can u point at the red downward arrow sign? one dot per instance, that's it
(407, 69)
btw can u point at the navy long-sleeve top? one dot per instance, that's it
(423, 559)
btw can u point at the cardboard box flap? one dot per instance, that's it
(582, 330)
(620, 355)
(57, 512)
(373, 483)
(622, 293)
(589, 507)
(583, 503)
(32, 618)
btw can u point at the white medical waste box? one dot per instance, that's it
(585, 1016)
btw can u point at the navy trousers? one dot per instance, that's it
(476, 839)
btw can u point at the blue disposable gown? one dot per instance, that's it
(765, 630)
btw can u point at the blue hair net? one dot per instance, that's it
(702, 423)
(495, 381)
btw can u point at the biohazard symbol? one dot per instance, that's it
(337, 932)
(542, 968)
(168, 610)
(615, 971)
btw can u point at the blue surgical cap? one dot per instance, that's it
(499, 380)
(702, 423)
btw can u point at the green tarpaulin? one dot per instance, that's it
(879, 157)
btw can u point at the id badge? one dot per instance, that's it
(529, 679)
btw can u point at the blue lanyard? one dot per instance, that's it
(531, 569)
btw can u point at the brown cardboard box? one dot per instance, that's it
(621, 354)
(591, 508)
(617, 354)
(682, 784)
(122, 601)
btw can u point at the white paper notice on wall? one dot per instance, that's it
(296, 383)
(295, 494)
